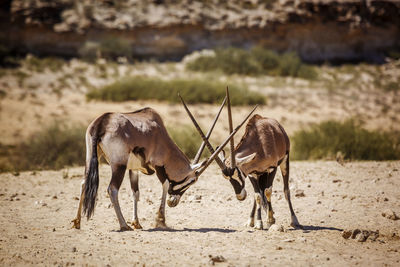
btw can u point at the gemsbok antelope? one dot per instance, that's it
(137, 141)
(263, 147)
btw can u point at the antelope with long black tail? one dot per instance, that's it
(137, 141)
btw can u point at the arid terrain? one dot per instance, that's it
(208, 225)
(53, 53)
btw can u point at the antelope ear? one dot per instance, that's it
(245, 159)
(221, 154)
(197, 166)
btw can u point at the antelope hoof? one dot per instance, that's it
(161, 225)
(126, 228)
(136, 224)
(270, 222)
(250, 222)
(258, 225)
(77, 223)
(295, 223)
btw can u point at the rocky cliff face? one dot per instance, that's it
(318, 30)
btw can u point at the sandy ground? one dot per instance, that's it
(37, 207)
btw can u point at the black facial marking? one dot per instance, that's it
(236, 185)
(162, 176)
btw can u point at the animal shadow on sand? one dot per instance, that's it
(309, 228)
(198, 230)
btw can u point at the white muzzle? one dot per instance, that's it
(173, 200)
(242, 195)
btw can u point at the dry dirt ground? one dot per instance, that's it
(37, 207)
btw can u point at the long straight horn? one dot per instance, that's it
(231, 129)
(221, 165)
(216, 152)
(203, 144)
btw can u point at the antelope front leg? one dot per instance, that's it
(258, 202)
(77, 220)
(265, 182)
(250, 221)
(134, 178)
(271, 219)
(160, 219)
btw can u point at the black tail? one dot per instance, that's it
(92, 174)
(91, 182)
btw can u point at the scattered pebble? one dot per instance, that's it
(74, 249)
(299, 193)
(390, 215)
(336, 181)
(194, 198)
(276, 228)
(214, 259)
(360, 235)
(289, 240)
(346, 234)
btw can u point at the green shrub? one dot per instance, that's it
(187, 139)
(40, 64)
(392, 86)
(109, 48)
(54, 147)
(254, 62)
(193, 91)
(328, 138)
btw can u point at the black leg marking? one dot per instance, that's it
(258, 202)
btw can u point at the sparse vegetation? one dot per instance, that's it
(350, 139)
(21, 76)
(110, 48)
(41, 64)
(254, 62)
(55, 147)
(193, 91)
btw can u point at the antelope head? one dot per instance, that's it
(228, 166)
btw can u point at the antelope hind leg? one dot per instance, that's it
(77, 221)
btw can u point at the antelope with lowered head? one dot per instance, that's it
(263, 147)
(137, 141)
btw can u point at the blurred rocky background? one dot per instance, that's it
(317, 30)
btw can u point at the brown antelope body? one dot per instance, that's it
(263, 148)
(137, 141)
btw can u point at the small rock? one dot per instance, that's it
(355, 233)
(278, 248)
(363, 236)
(276, 228)
(289, 240)
(346, 234)
(74, 249)
(390, 215)
(373, 235)
(299, 193)
(214, 259)
(336, 181)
